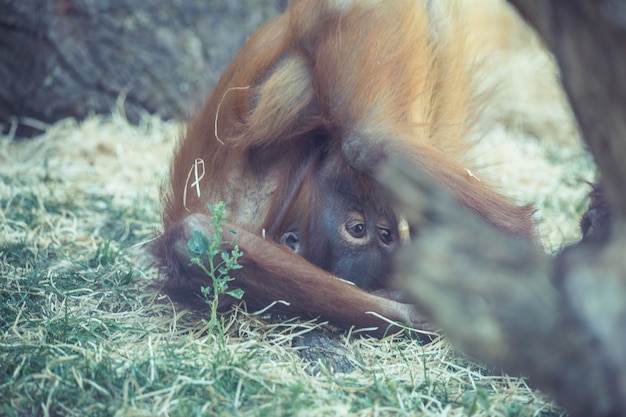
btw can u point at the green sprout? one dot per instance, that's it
(215, 261)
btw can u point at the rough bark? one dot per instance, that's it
(560, 321)
(588, 39)
(75, 57)
(502, 300)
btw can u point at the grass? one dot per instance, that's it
(84, 331)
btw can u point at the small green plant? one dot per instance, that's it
(105, 256)
(215, 261)
(474, 401)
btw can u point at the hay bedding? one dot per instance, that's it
(85, 333)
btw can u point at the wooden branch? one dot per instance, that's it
(502, 300)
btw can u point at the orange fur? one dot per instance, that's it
(323, 95)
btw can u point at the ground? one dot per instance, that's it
(84, 330)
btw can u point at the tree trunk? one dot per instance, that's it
(588, 39)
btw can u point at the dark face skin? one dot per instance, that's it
(349, 240)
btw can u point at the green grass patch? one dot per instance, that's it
(84, 330)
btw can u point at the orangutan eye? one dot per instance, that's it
(385, 235)
(356, 230)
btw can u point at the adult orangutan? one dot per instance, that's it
(291, 139)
